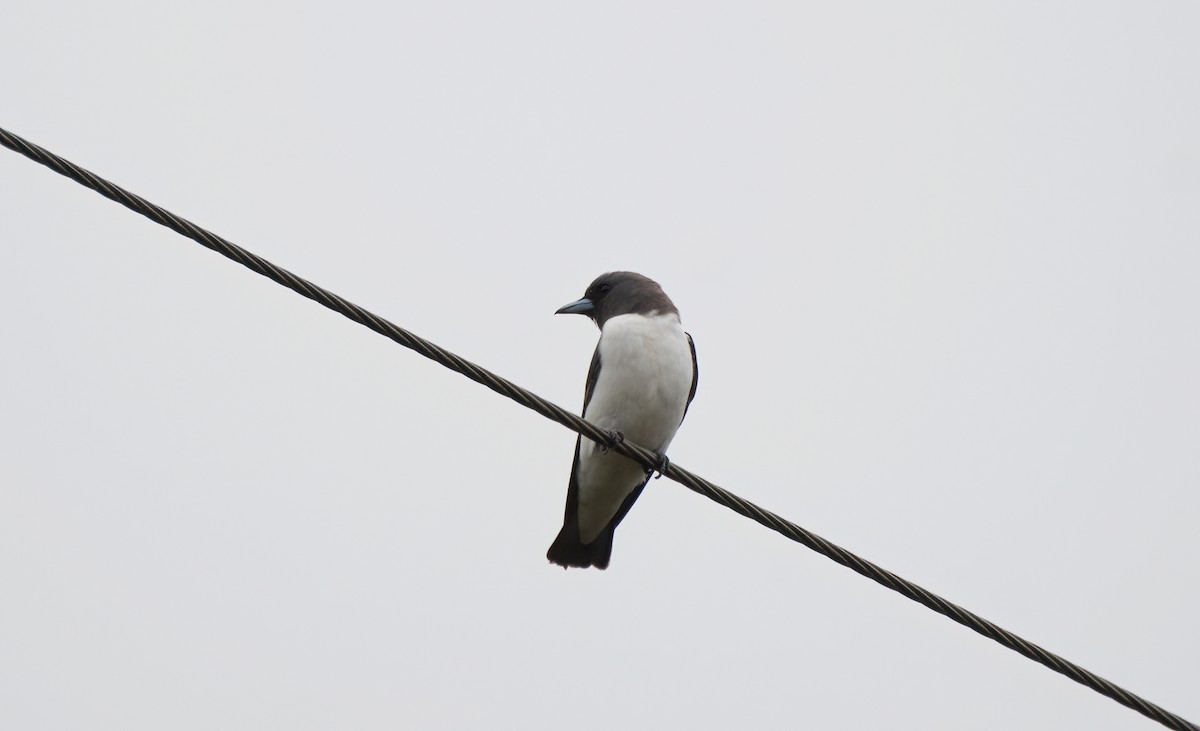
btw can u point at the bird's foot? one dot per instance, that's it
(660, 467)
(614, 438)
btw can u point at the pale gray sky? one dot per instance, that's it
(941, 267)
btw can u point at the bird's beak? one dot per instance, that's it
(578, 307)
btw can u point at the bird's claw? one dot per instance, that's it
(614, 438)
(660, 467)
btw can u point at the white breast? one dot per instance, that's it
(642, 391)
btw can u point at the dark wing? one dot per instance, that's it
(573, 486)
(567, 550)
(695, 375)
(594, 375)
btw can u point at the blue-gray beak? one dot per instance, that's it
(578, 307)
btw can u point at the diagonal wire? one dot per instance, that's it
(556, 413)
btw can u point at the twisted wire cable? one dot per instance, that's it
(575, 423)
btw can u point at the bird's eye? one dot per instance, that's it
(605, 287)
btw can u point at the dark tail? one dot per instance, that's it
(567, 551)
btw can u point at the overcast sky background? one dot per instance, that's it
(942, 267)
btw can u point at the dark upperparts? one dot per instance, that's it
(620, 293)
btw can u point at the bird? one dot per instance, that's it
(640, 384)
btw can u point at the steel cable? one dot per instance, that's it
(575, 423)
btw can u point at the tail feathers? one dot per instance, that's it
(568, 551)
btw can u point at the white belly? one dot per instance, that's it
(642, 391)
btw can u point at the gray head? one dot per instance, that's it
(620, 293)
